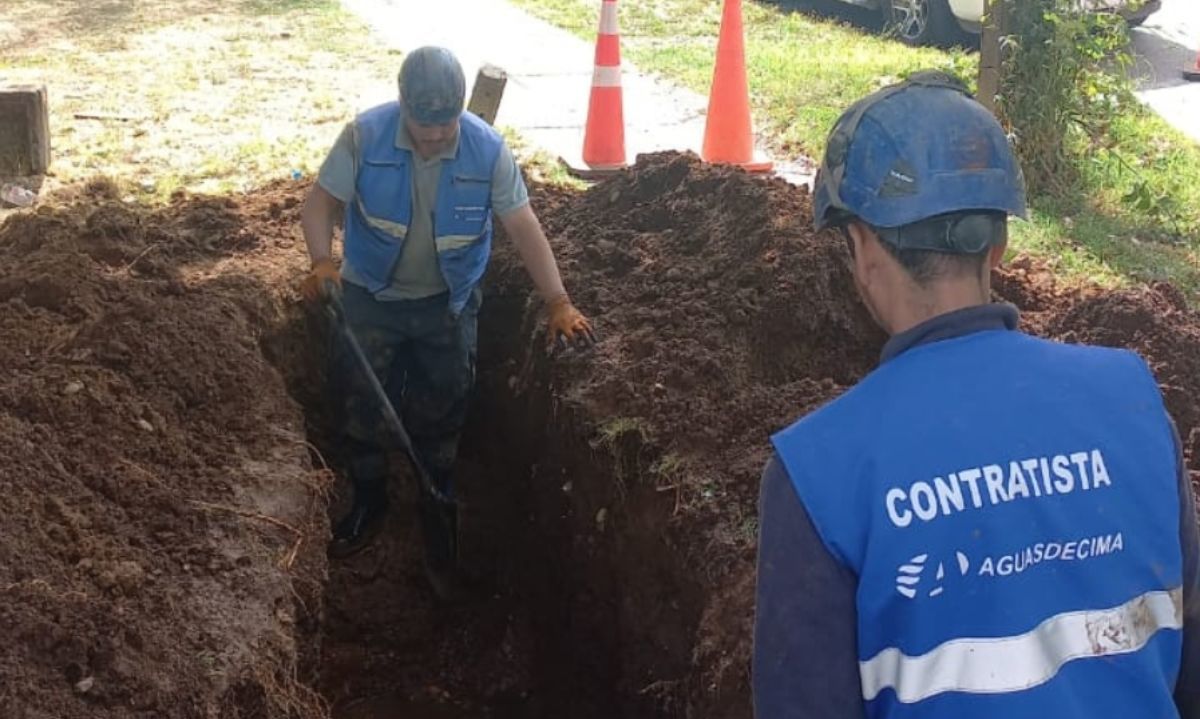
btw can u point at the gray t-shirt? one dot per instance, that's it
(417, 273)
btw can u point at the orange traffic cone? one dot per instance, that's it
(604, 136)
(1193, 73)
(728, 136)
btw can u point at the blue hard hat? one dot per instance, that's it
(432, 86)
(914, 151)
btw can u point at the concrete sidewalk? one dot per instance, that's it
(549, 74)
(1165, 45)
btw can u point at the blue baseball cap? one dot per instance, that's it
(432, 86)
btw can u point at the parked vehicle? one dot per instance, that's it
(934, 22)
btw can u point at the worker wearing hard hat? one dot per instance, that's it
(989, 524)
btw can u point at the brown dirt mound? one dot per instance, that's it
(722, 314)
(723, 318)
(1157, 323)
(155, 487)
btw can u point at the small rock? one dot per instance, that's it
(601, 519)
(83, 686)
(73, 387)
(145, 425)
(566, 488)
(606, 246)
(674, 274)
(129, 576)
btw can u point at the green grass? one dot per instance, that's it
(223, 96)
(539, 165)
(617, 427)
(803, 71)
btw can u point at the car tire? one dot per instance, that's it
(921, 22)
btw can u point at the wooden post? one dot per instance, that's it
(24, 130)
(487, 93)
(990, 55)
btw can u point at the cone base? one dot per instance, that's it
(1192, 75)
(588, 171)
(754, 166)
(758, 167)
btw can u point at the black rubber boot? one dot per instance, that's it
(355, 531)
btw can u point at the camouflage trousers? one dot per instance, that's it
(425, 359)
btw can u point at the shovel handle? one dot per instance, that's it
(333, 295)
(337, 312)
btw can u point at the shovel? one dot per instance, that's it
(337, 313)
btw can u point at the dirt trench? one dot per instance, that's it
(542, 633)
(165, 501)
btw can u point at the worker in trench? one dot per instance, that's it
(418, 182)
(989, 524)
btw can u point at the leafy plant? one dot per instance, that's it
(1063, 85)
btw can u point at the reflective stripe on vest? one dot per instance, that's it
(991, 665)
(395, 229)
(454, 242)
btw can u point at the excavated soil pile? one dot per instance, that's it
(158, 507)
(723, 318)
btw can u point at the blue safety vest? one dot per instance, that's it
(1010, 507)
(377, 220)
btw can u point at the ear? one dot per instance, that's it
(996, 254)
(864, 248)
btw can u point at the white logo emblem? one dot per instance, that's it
(910, 575)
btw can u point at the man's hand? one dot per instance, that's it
(313, 286)
(567, 325)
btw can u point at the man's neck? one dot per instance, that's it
(940, 298)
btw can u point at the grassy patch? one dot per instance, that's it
(1133, 214)
(540, 166)
(611, 432)
(198, 94)
(804, 71)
